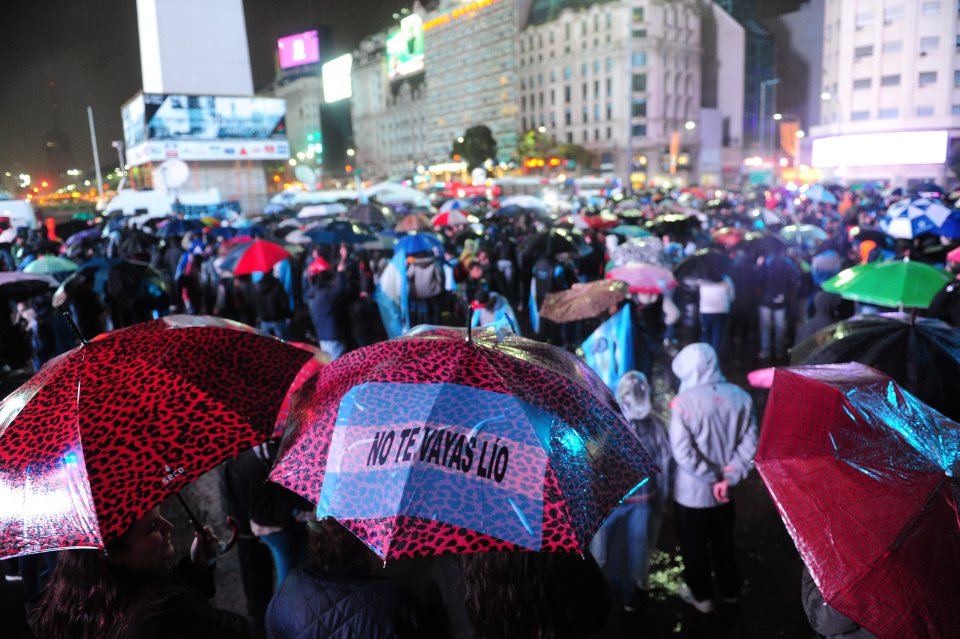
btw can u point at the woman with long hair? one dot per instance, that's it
(129, 591)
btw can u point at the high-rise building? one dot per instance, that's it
(470, 54)
(890, 90)
(620, 78)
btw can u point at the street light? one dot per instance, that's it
(763, 111)
(689, 125)
(540, 129)
(351, 152)
(777, 116)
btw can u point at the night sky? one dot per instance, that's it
(89, 52)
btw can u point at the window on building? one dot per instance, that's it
(638, 108)
(886, 114)
(566, 31)
(926, 78)
(596, 89)
(609, 20)
(609, 133)
(523, 123)
(860, 115)
(930, 8)
(609, 87)
(956, 79)
(638, 130)
(567, 72)
(609, 111)
(585, 115)
(566, 94)
(924, 111)
(584, 91)
(863, 52)
(596, 67)
(891, 13)
(569, 137)
(522, 48)
(639, 34)
(893, 46)
(863, 19)
(586, 136)
(596, 135)
(608, 65)
(583, 70)
(567, 117)
(551, 36)
(596, 22)
(523, 104)
(929, 43)
(638, 14)
(583, 28)
(955, 109)
(862, 83)
(890, 80)
(596, 112)
(553, 75)
(541, 99)
(638, 58)
(639, 82)
(553, 97)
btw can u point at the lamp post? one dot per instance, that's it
(763, 112)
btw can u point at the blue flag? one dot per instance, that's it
(609, 350)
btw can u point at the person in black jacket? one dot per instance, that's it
(323, 292)
(273, 306)
(128, 591)
(335, 595)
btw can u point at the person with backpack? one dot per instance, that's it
(426, 279)
(779, 280)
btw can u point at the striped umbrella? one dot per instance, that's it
(909, 218)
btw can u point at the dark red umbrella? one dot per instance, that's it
(432, 443)
(108, 430)
(583, 301)
(865, 478)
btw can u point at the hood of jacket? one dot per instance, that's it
(826, 304)
(697, 365)
(633, 395)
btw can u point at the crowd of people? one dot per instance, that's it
(307, 578)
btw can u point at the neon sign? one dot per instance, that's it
(466, 10)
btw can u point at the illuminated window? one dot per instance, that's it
(639, 58)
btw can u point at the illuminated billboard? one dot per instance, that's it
(158, 126)
(405, 48)
(299, 49)
(881, 149)
(336, 79)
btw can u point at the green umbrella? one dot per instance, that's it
(629, 230)
(900, 283)
(50, 264)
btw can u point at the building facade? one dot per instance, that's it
(304, 96)
(889, 68)
(471, 66)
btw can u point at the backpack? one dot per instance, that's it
(426, 280)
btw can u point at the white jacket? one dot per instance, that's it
(716, 297)
(712, 427)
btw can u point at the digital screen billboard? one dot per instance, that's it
(299, 49)
(881, 149)
(195, 117)
(336, 79)
(158, 126)
(405, 48)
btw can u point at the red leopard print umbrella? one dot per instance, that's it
(430, 444)
(106, 431)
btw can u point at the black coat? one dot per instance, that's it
(321, 300)
(174, 605)
(271, 300)
(311, 605)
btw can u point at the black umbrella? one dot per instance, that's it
(672, 224)
(22, 286)
(340, 231)
(705, 264)
(369, 214)
(553, 242)
(759, 243)
(923, 357)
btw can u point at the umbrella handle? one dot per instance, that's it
(197, 526)
(234, 527)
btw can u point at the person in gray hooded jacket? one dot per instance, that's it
(713, 434)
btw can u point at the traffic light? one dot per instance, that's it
(348, 168)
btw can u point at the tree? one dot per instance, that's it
(582, 156)
(534, 144)
(476, 146)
